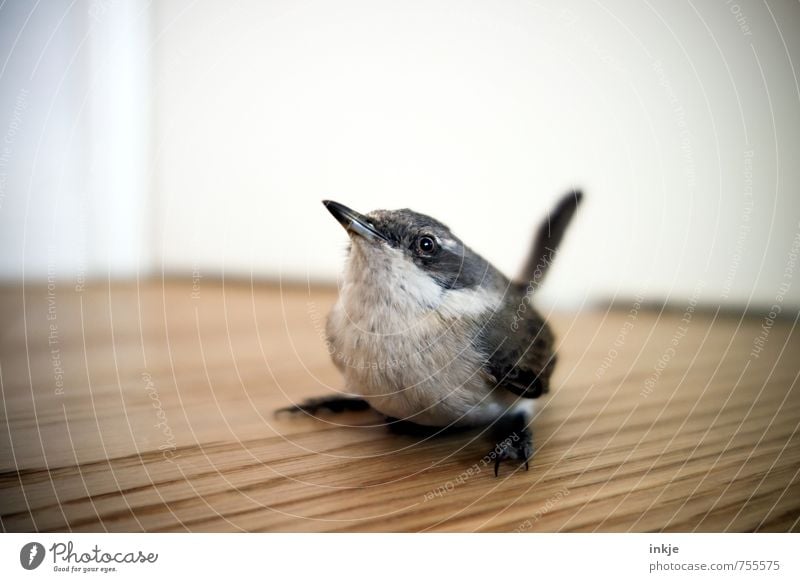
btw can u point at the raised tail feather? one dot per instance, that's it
(548, 237)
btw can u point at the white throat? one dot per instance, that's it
(384, 290)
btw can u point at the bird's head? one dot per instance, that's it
(412, 252)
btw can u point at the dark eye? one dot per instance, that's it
(426, 245)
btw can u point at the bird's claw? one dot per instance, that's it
(333, 404)
(509, 450)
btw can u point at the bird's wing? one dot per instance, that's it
(520, 355)
(519, 345)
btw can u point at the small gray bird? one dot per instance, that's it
(431, 335)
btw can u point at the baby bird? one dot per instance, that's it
(431, 335)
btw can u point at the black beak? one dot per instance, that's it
(352, 221)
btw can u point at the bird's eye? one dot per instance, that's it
(426, 245)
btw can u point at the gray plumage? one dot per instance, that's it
(427, 331)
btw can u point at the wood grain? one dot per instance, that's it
(165, 422)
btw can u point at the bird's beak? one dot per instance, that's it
(352, 221)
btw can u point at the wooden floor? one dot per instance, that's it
(130, 408)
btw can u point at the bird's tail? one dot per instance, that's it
(547, 239)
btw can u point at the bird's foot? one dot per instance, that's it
(514, 442)
(327, 403)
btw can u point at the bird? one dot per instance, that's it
(433, 337)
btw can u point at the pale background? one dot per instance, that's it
(178, 137)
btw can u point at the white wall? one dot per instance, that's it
(479, 113)
(74, 139)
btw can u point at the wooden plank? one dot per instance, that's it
(149, 407)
